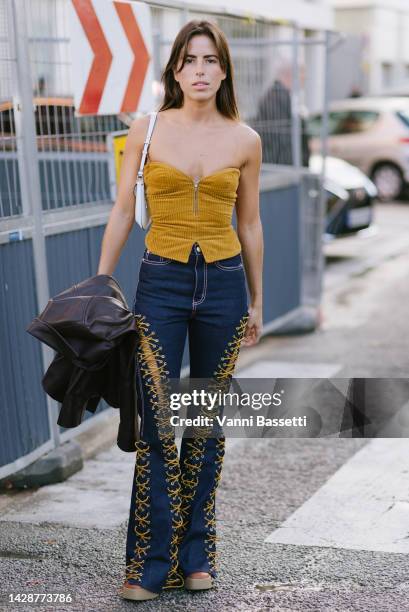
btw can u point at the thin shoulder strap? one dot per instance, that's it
(153, 115)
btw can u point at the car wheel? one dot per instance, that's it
(389, 182)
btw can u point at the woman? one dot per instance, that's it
(202, 162)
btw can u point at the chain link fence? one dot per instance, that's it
(71, 151)
(275, 88)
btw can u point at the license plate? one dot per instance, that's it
(359, 216)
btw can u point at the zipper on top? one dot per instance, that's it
(195, 198)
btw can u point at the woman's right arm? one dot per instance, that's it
(122, 216)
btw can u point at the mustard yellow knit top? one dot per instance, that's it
(185, 211)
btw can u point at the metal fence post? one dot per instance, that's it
(295, 101)
(324, 153)
(29, 173)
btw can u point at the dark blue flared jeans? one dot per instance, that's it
(172, 523)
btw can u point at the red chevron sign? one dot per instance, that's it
(111, 56)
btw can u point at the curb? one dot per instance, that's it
(55, 466)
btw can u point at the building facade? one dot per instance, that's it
(373, 58)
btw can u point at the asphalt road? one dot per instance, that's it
(303, 524)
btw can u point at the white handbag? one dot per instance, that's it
(142, 216)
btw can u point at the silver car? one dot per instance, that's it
(372, 134)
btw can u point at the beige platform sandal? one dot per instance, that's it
(197, 584)
(136, 594)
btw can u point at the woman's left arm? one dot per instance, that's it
(250, 234)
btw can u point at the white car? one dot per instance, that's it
(372, 134)
(350, 196)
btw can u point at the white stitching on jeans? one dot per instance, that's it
(221, 267)
(156, 263)
(194, 291)
(204, 287)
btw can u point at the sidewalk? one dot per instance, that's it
(70, 537)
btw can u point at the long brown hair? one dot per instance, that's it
(225, 96)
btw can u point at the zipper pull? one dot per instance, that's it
(195, 201)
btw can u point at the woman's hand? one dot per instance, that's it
(254, 325)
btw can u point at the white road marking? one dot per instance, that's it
(363, 506)
(290, 369)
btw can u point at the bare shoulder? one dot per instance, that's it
(250, 144)
(137, 130)
(248, 135)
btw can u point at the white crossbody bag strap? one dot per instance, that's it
(146, 145)
(142, 216)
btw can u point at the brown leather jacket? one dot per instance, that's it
(95, 337)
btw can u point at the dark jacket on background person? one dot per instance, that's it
(95, 336)
(274, 122)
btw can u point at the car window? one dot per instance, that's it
(7, 126)
(53, 119)
(335, 119)
(343, 122)
(404, 116)
(314, 126)
(357, 121)
(60, 120)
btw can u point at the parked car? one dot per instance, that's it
(372, 134)
(350, 196)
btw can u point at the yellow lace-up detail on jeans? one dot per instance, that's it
(228, 361)
(191, 468)
(153, 368)
(185, 211)
(142, 530)
(193, 460)
(210, 508)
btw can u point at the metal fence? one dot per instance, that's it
(276, 88)
(71, 151)
(55, 194)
